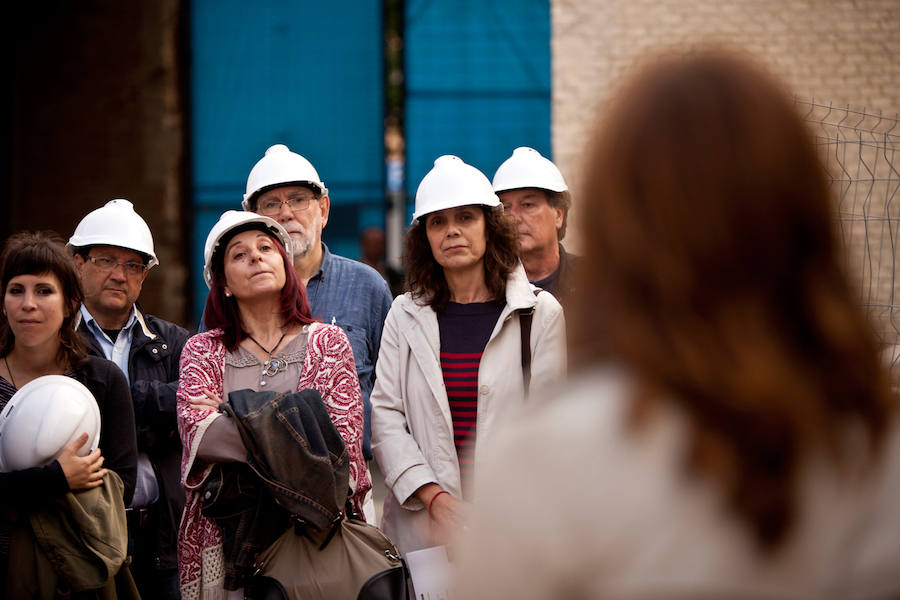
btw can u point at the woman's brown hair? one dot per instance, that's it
(36, 253)
(425, 277)
(712, 271)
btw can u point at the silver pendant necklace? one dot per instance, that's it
(271, 366)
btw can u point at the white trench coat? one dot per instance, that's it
(412, 432)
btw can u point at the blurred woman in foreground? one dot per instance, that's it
(732, 432)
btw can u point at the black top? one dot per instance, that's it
(465, 330)
(112, 333)
(118, 440)
(467, 327)
(561, 282)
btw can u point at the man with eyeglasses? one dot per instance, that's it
(286, 187)
(113, 251)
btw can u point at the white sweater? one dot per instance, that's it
(574, 506)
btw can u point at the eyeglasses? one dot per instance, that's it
(106, 264)
(272, 206)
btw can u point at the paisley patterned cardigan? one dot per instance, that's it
(327, 367)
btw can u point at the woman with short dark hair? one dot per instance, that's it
(450, 372)
(41, 300)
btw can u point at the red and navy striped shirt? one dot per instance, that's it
(465, 330)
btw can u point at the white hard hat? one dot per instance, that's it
(42, 418)
(451, 183)
(280, 167)
(231, 219)
(115, 224)
(526, 168)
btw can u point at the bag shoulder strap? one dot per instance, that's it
(525, 316)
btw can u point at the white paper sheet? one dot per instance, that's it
(430, 572)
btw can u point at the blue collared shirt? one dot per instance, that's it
(119, 350)
(355, 297)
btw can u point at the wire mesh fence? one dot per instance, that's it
(860, 153)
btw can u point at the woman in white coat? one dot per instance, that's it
(450, 372)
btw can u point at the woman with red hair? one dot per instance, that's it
(261, 337)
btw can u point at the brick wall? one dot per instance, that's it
(839, 52)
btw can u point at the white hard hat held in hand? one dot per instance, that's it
(43, 417)
(526, 168)
(280, 167)
(115, 224)
(451, 183)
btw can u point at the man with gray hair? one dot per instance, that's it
(535, 194)
(286, 187)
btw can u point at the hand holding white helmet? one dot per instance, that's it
(82, 472)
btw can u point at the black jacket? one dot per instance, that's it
(568, 264)
(561, 283)
(297, 471)
(153, 372)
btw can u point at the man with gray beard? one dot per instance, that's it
(286, 187)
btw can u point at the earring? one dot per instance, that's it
(227, 294)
